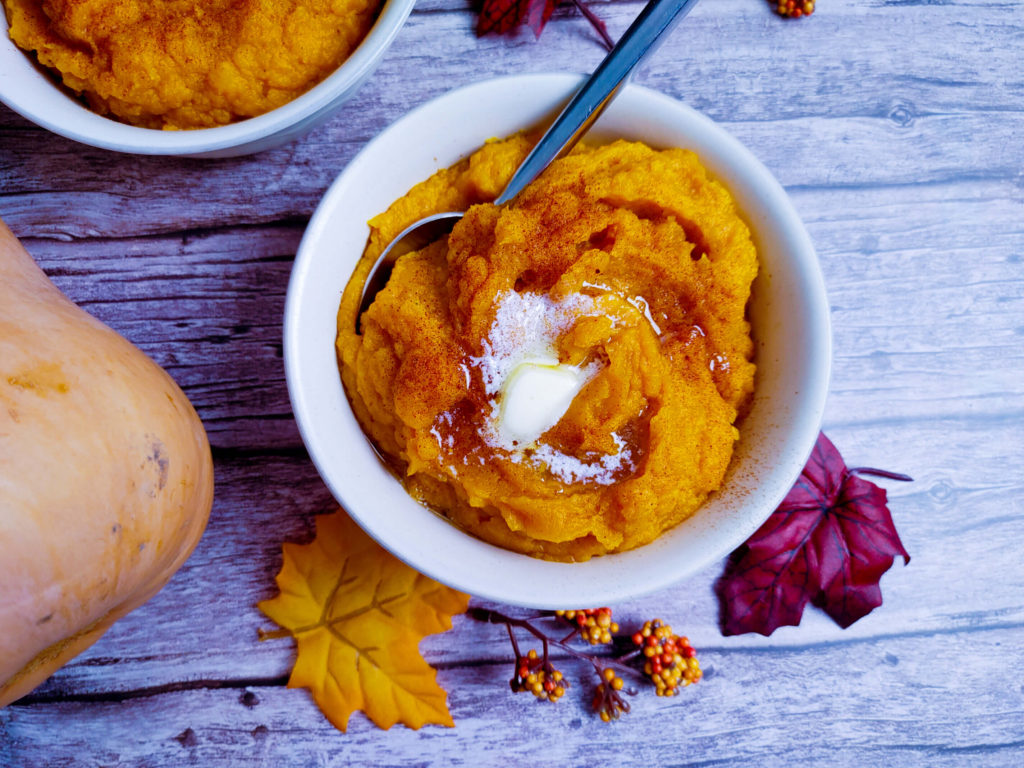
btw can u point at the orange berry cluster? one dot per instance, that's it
(671, 660)
(539, 678)
(794, 9)
(594, 624)
(607, 701)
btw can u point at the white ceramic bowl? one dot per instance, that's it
(789, 313)
(29, 90)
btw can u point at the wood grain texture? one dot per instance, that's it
(866, 708)
(897, 128)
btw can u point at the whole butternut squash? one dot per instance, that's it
(106, 479)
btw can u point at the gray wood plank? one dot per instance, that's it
(874, 703)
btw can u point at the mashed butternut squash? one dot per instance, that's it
(626, 266)
(190, 63)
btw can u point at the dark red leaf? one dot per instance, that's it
(503, 16)
(538, 14)
(829, 543)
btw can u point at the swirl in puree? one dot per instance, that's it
(561, 377)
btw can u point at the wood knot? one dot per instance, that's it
(901, 114)
(187, 738)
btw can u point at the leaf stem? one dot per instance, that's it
(880, 473)
(597, 23)
(273, 634)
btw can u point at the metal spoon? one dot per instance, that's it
(644, 36)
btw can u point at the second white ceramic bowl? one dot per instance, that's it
(33, 93)
(788, 310)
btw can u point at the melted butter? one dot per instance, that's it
(529, 390)
(535, 396)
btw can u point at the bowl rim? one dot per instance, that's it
(588, 588)
(103, 132)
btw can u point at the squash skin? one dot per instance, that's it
(106, 477)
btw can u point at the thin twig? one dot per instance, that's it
(495, 617)
(515, 645)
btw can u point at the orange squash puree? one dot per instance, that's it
(630, 264)
(190, 63)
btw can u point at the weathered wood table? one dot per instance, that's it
(898, 129)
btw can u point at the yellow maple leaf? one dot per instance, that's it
(358, 614)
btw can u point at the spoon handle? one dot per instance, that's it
(651, 27)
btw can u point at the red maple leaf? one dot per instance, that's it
(829, 542)
(502, 16)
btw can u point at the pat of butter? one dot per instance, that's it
(535, 396)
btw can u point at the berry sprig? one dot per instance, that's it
(668, 661)
(536, 675)
(671, 660)
(793, 9)
(608, 701)
(595, 625)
